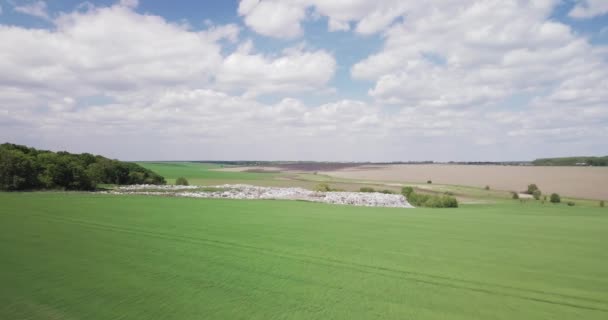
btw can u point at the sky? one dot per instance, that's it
(325, 80)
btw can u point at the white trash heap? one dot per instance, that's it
(243, 191)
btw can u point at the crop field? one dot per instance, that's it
(95, 256)
(581, 182)
(200, 173)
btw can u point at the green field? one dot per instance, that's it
(200, 173)
(87, 256)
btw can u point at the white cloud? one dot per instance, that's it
(491, 80)
(273, 18)
(589, 8)
(296, 69)
(283, 18)
(116, 49)
(36, 9)
(475, 54)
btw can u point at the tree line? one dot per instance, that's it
(572, 161)
(24, 168)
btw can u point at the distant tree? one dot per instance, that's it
(515, 195)
(487, 188)
(181, 181)
(555, 198)
(322, 187)
(531, 188)
(570, 203)
(367, 189)
(386, 191)
(536, 194)
(406, 191)
(429, 181)
(602, 204)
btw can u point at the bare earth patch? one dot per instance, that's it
(580, 182)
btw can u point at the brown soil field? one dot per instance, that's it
(579, 182)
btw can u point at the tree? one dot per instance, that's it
(531, 188)
(23, 168)
(602, 203)
(367, 189)
(536, 194)
(515, 195)
(17, 170)
(181, 181)
(406, 191)
(555, 198)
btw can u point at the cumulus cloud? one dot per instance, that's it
(283, 18)
(475, 54)
(112, 49)
(589, 8)
(296, 69)
(36, 9)
(273, 18)
(489, 80)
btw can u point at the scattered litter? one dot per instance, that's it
(243, 191)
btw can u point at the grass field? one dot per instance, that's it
(200, 173)
(87, 256)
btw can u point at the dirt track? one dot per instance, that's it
(582, 182)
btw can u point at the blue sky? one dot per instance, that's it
(307, 80)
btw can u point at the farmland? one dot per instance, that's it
(583, 182)
(75, 255)
(81, 255)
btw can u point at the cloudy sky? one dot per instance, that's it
(348, 80)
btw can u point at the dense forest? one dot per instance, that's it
(572, 161)
(23, 168)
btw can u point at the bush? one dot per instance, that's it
(406, 191)
(570, 203)
(531, 188)
(322, 187)
(515, 195)
(181, 181)
(367, 189)
(386, 191)
(555, 198)
(602, 203)
(487, 188)
(536, 194)
(429, 182)
(429, 201)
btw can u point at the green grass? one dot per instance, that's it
(86, 256)
(201, 173)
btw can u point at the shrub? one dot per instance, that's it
(536, 194)
(322, 187)
(429, 201)
(515, 195)
(555, 198)
(386, 191)
(487, 188)
(429, 182)
(602, 203)
(181, 181)
(531, 188)
(367, 189)
(406, 191)
(570, 203)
